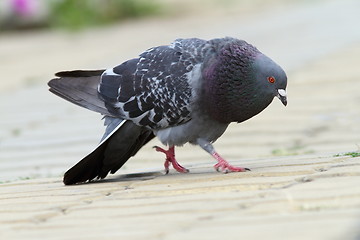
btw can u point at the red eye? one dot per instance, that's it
(271, 79)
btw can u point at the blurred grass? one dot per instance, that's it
(351, 154)
(77, 14)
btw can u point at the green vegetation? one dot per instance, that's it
(18, 179)
(16, 132)
(297, 148)
(352, 154)
(74, 15)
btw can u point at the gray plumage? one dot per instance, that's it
(188, 91)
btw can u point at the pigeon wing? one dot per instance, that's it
(155, 90)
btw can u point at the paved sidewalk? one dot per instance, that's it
(301, 185)
(301, 197)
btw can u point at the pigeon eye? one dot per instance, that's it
(271, 79)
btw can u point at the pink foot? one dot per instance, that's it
(170, 158)
(225, 167)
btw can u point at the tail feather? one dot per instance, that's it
(80, 88)
(122, 139)
(80, 73)
(111, 154)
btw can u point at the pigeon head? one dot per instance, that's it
(240, 82)
(270, 78)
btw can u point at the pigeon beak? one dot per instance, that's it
(282, 96)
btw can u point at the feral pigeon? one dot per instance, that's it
(185, 92)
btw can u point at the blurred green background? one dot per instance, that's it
(71, 14)
(18, 15)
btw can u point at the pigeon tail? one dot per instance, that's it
(80, 88)
(110, 155)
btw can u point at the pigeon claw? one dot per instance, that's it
(170, 159)
(225, 167)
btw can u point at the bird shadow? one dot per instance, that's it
(144, 176)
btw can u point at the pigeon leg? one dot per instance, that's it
(222, 164)
(170, 158)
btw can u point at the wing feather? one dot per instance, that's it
(155, 89)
